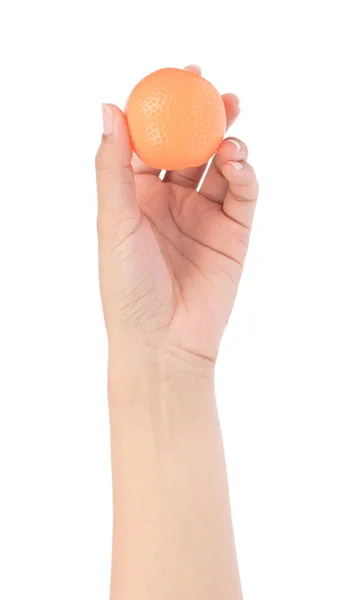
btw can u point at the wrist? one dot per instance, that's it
(146, 372)
(160, 405)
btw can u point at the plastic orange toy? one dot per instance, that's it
(176, 119)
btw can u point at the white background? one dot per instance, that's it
(279, 377)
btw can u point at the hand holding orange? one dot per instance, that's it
(176, 119)
(172, 247)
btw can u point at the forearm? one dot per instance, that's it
(172, 526)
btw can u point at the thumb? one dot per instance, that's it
(118, 211)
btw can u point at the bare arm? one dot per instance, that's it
(172, 526)
(170, 261)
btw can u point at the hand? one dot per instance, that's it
(170, 256)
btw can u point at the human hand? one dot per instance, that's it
(171, 257)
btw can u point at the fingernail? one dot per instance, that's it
(235, 144)
(107, 117)
(238, 100)
(193, 69)
(236, 165)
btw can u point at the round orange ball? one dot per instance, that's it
(176, 119)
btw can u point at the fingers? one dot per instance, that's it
(115, 180)
(186, 177)
(231, 181)
(242, 180)
(240, 199)
(192, 176)
(215, 185)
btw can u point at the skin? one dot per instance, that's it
(170, 261)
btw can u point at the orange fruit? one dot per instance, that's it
(176, 119)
